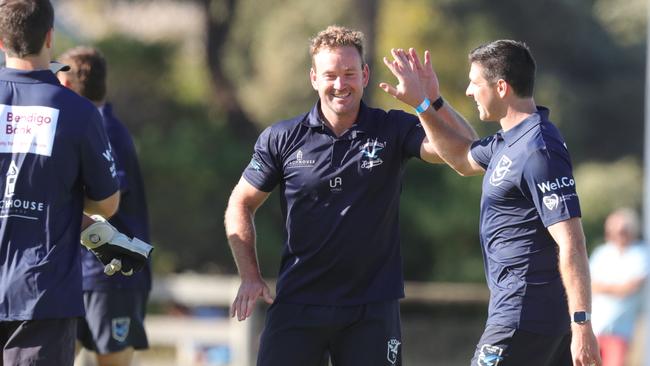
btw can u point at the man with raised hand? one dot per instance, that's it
(339, 168)
(115, 305)
(55, 162)
(531, 234)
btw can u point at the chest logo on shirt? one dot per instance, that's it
(500, 171)
(551, 202)
(301, 162)
(336, 185)
(370, 154)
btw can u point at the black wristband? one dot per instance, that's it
(438, 103)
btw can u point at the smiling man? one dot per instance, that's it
(339, 168)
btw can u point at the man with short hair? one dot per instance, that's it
(55, 162)
(115, 306)
(339, 168)
(531, 235)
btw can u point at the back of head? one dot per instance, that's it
(87, 74)
(24, 25)
(508, 60)
(337, 36)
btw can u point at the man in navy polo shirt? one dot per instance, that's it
(55, 162)
(531, 235)
(115, 306)
(339, 168)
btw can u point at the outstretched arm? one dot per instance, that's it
(449, 136)
(574, 268)
(240, 230)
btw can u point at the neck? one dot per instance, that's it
(517, 111)
(33, 62)
(337, 123)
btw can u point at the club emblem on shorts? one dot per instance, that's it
(370, 152)
(551, 202)
(489, 355)
(120, 328)
(500, 171)
(393, 350)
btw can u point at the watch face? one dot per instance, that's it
(580, 317)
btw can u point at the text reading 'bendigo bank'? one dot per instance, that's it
(27, 129)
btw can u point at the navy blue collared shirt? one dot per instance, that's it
(131, 218)
(340, 201)
(53, 152)
(528, 186)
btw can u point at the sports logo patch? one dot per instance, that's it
(500, 171)
(551, 202)
(393, 350)
(120, 328)
(489, 355)
(370, 151)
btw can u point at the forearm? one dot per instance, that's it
(574, 269)
(240, 231)
(451, 137)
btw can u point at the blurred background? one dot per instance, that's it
(196, 81)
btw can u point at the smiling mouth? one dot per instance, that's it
(341, 95)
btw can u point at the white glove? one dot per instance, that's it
(115, 250)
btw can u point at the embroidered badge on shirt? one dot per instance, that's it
(500, 171)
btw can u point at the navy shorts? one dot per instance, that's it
(38, 342)
(114, 320)
(504, 346)
(304, 335)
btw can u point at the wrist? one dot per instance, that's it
(438, 103)
(422, 107)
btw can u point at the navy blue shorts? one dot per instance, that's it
(114, 320)
(304, 335)
(504, 346)
(38, 342)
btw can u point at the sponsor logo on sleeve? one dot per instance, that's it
(27, 129)
(557, 183)
(500, 171)
(255, 164)
(393, 350)
(551, 202)
(490, 355)
(108, 155)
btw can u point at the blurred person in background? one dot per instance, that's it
(339, 168)
(55, 164)
(115, 305)
(533, 245)
(619, 269)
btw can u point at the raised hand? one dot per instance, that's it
(427, 76)
(412, 82)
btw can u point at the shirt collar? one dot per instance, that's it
(514, 134)
(28, 76)
(362, 124)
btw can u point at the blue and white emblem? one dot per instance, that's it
(393, 350)
(120, 328)
(370, 154)
(490, 355)
(500, 171)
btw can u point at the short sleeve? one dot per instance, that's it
(98, 164)
(548, 177)
(482, 150)
(413, 135)
(263, 171)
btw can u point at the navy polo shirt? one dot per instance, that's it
(53, 152)
(132, 217)
(528, 186)
(340, 201)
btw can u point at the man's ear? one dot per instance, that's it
(503, 88)
(49, 36)
(312, 78)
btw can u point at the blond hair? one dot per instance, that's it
(337, 36)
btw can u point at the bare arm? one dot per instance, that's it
(449, 136)
(105, 208)
(574, 268)
(240, 230)
(618, 289)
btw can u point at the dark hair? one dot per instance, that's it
(24, 25)
(87, 73)
(507, 60)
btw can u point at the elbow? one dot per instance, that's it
(105, 208)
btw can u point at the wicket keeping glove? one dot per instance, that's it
(116, 251)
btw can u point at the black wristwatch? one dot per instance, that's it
(581, 317)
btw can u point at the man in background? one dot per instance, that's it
(619, 269)
(55, 163)
(115, 306)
